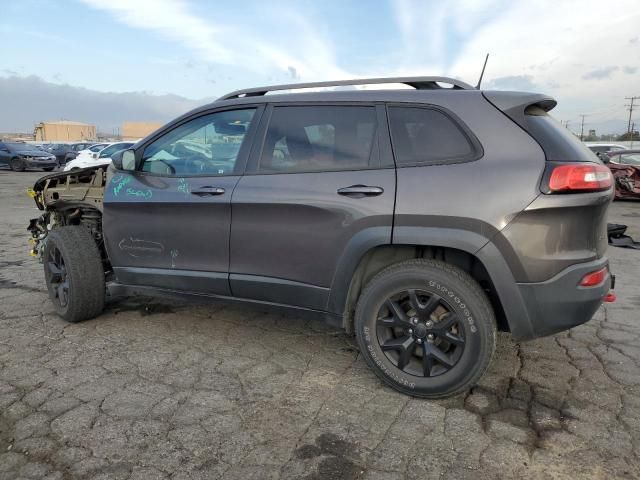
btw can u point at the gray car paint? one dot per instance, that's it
(296, 226)
(191, 231)
(294, 242)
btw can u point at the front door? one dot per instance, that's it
(167, 225)
(319, 182)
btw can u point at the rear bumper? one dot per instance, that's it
(560, 303)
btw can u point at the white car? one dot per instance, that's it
(93, 149)
(103, 157)
(599, 148)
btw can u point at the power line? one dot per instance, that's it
(630, 105)
(582, 126)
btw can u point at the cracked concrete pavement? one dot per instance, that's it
(153, 390)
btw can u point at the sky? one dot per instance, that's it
(108, 61)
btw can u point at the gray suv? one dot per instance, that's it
(423, 220)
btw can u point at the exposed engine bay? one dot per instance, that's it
(69, 198)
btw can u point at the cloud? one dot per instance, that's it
(31, 100)
(600, 73)
(293, 72)
(512, 82)
(629, 70)
(226, 43)
(431, 32)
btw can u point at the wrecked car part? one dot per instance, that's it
(617, 237)
(69, 198)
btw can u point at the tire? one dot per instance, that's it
(442, 337)
(17, 165)
(48, 169)
(74, 273)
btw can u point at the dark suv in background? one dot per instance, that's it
(65, 152)
(422, 220)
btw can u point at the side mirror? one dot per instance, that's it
(125, 160)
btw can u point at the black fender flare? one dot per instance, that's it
(468, 241)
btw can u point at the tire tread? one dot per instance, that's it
(482, 302)
(84, 265)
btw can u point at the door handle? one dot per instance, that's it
(208, 191)
(359, 191)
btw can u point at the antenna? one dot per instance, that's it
(482, 72)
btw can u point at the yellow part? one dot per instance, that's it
(31, 192)
(32, 241)
(33, 253)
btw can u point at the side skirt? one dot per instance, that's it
(117, 290)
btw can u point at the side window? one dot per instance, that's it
(319, 138)
(427, 136)
(207, 145)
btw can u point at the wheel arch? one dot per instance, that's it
(470, 251)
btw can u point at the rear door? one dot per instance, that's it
(167, 225)
(317, 182)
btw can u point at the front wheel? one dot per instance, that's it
(74, 273)
(17, 165)
(426, 328)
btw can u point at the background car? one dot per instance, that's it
(604, 148)
(20, 156)
(90, 159)
(625, 167)
(65, 152)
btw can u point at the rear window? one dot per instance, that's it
(558, 143)
(428, 136)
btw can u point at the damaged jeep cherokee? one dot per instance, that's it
(423, 220)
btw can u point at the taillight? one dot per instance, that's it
(580, 177)
(594, 278)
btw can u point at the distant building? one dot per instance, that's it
(137, 130)
(592, 133)
(63, 131)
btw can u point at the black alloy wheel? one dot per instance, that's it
(57, 277)
(17, 165)
(420, 333)
(74, 273)
(426, 328)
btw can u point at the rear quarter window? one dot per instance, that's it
(426, 135)
(558, 143)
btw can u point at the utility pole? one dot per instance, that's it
(582, 127)
(630, 105)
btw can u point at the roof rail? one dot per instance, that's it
(419, 83)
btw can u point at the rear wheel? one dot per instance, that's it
(48, 169)
(17, 165)
(74, 274)
(426, 328)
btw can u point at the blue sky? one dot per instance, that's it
(586, 55)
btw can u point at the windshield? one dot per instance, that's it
(627, 159)
(107, 152)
